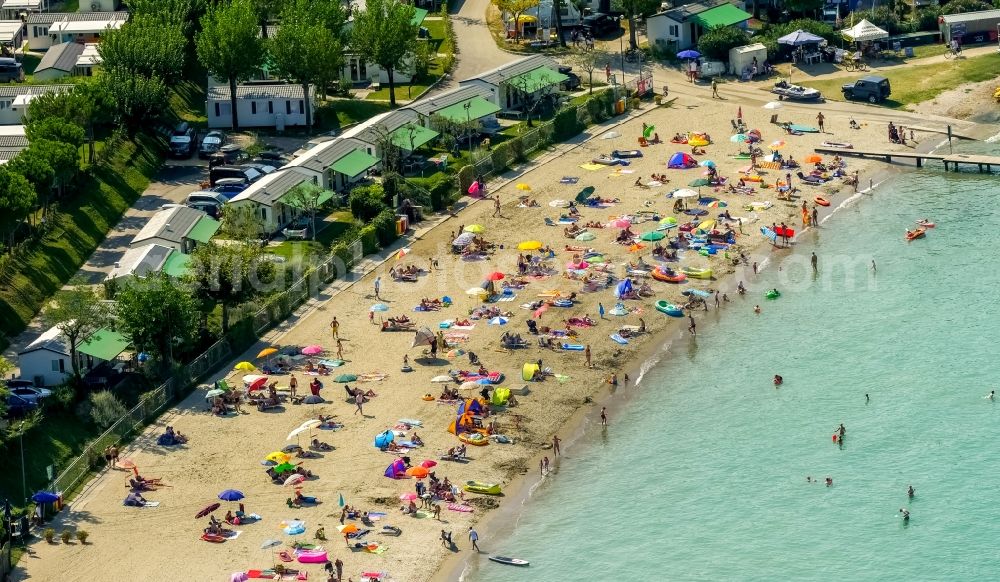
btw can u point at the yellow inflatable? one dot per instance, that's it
(698, 139)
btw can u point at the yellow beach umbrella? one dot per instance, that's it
(475, 228)
(278, 457)
(267, 352)
(523, 186)
(245, 367)
(529, 245)
(707, 225)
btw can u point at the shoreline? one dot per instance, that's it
(513, 465)
(655, 349)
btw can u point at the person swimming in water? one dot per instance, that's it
(778, 380)
(991, 395)
(910, 491)
(841, 431)
(905, 513)
(829, 481)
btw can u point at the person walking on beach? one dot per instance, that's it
(340, 349)
(496, 206)
(755, 267)
(546, 461)
(359, 400)
(293, 385)
(715, 89)
(378, 285)
(335, 328)
(815, 262)
(474, 538)
(815, 216)
(692, 326)
(586, 354)
(604, 416)
(819, 121)
(555, 444)
(600, 310)
(717, 302)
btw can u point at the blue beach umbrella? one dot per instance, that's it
(231, 495)
(380, 307)
(688, 54)
(45, 497)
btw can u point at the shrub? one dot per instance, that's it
(66, 536)
(466, 176)
(82, 535)
(385, 227)
(369, 240)
(501, 156)
(565, 125)
(105, 408)
(517, 149)
(49, 534)
(367, 201)
(715, 43)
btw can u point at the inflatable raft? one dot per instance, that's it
(474, 439)
(772, 294)
(696, 273)
(482, 488)
(660, 274)
(669, 308)
(915, 234)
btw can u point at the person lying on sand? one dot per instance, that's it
(320, 445)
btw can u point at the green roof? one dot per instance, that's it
(291, 199)
(176, 265)
(354, 163)
(418, 16)
(724, 15)
(477, 107)
(536, 79)
(104, 344)
(204, 229)
(411, 136)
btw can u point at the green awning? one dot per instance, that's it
(204, 230)
(536, 79)
(176, 264)
(724, 15)
(104, 344)
(411, 136)
(291, 199)
(418, 16)
(354, 163)
(468, 109)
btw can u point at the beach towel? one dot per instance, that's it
(372, 377)
(769, 165)
(502, 298)
(462, 327)
(803, 128)
(592, 167)
(151, 505)
(376, 549)
(460, 508)
(569, 180)
(619, 172)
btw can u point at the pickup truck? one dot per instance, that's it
(873, 89)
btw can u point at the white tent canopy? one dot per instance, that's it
(864, 31)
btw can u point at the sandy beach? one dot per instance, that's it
(162, 543)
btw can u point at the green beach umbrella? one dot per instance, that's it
(648, 132)
(699, 182)
(346, 378)
(738, 138)
(585, 236)
(668, 220)
(652, 236)
(284, 468)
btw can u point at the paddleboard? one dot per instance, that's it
(509, 561)
(619, 339)
(573, 347)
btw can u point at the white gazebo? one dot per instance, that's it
(864, 31)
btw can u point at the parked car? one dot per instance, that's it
(29, 393)
(299, 229)
(17, 406)
(207, 196)
(599, 24)
(11, 70)
(183, 140)
(873, 89)
(220, 172)
(211, 209)
(230, 187)
(261, 167)
(272, 155)
(211, 143)
(572, 83)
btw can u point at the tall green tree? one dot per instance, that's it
(264, 11)
(306, 197)
(514, 9)
(634, 9)
(158, 314)
(229, 45)
(61, 157)
(17, 198)
(229, 274)
(78, 312)
(385, 34)
(146, 46)
(304, 50)
(55, 129)
(35, 167)
(87, 105)
(136, 99)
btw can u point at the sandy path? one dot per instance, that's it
(226, 452)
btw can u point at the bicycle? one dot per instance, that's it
(633, 56)
(953, 53)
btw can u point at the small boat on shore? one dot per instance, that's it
(925, 223)
(475, 439)
(821, 201)
(669, 308)
(695, 273)
(509, 561)
(482, 488)
(668, 275)
(915, 234)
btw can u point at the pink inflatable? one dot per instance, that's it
(313, 557)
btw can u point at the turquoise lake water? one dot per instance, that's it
(702, 473)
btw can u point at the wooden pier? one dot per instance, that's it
(951, 161)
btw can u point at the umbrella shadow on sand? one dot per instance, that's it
(427, 360)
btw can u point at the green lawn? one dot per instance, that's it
(56, 441)
(338, 223)
(919, 83)
(339, 113)
(438, 37)
(187, 101)
(404, 92)
(90, 211)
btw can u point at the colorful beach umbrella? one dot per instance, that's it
(266, 352)
(258, 384)
(707, 164)
(295, 479)
(652, 236)
(620, 223)
(278, 457)
(47, 497)
(813, 159)
(647, 132)
(214, 393)
(402, 253)
(349, 528)
(476, 291)
(738, 138)
(475, 229)
(379, 307)
(498, 320)
(441, 378)
(245, 367)
(495, 276)
(524, 187)
(312, 350)
(585, 236)
(684, 193)
(295, 433)
(284, 467)
(717, 204)
(408, 496)
(670, 220)
(205, 510)
(688, 54)
(529, 245)
(418, 472)
(427, 464)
